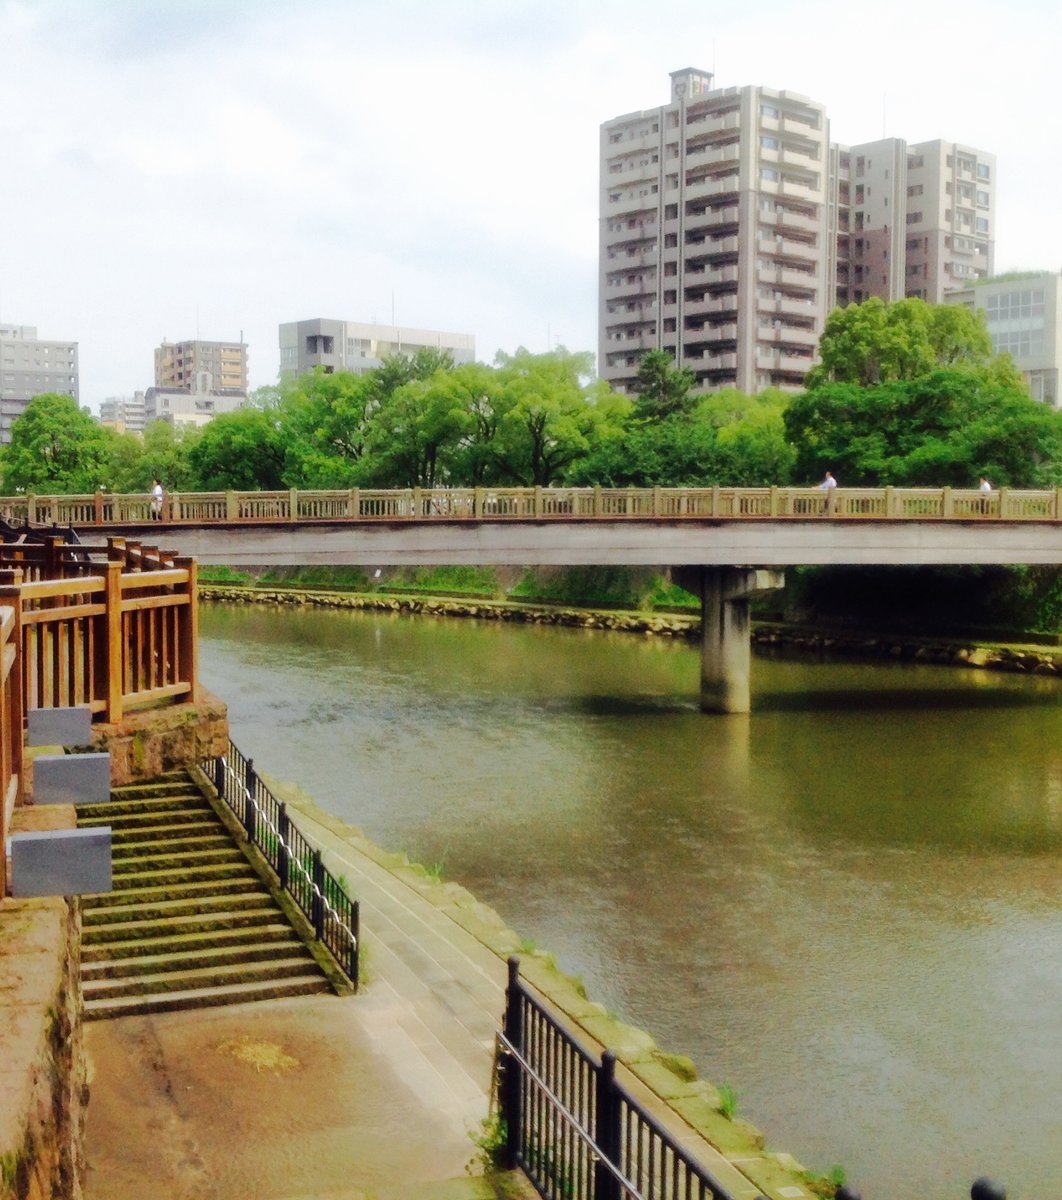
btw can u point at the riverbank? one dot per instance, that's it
(941, 651)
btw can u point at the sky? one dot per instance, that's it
(172, 169)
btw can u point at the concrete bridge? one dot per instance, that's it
(726, 544)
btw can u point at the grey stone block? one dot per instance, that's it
(61, 862)
(59, 726)
(71, 778)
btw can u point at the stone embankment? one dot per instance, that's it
(956, 652)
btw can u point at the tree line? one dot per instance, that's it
(906, 393)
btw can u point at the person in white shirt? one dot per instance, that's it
(156, 500)
(828, 484)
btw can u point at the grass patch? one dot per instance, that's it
(728, 1101)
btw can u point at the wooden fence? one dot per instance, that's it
(540, 504)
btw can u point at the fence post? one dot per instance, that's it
(946, 506)
(232, 507)
(249, 812)
(293, 503)
(509, 1089)
(283, 858)
(1002, 501)
(607, 1129)
(187, 669)
(318, 905)
(415, 507)
(219, 775)
(354, 950)
(97, 506)
(113, 657)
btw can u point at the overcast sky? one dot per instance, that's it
(174, 168)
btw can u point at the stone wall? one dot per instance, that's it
(43, 1089)
(144, 745)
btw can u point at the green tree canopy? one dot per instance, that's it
(948, 427)
(662, 389)
(875, 342)
(242, 450)
(55, 447)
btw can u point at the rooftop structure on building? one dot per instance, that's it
(30, 366)
(1023, 314)
(358, 347)
(126, 414)
(219, 367)
(730, 226)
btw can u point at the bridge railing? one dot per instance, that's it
(10, 727)
(541, 504)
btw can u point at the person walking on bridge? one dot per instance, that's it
(828, 485)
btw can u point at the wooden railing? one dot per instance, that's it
(113, 627)
(540, 504)
(10, 728)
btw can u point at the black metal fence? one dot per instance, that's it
(579, 1134)
(573, 1127)
(319, 895)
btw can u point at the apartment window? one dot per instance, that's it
(914, 218)
(915, 189)
(982, 199)
(615, 137)
(671, 212)
(768, 173)
(915, 161)
(983, 171)
(982, 225)
(768, 110)
(769, 143)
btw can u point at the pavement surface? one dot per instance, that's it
(368, 1097)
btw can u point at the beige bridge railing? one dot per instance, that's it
(538, 504)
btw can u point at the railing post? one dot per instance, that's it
(220, 776)
(598, 502)
(538, 502)
(232, 507)
(293, 504)
(31, 509)
(354, 950)
(97, 504)
(187, 669)
(1002, 501)
(947, 506)
(175, 506)
(774, 502)
(509, 1089)
(1058, 504)
(890, 502)
(250, 813)
(318, 905)
(112, 648)
(715, 501)
(607, 1129)
(658, 495)
(477, 502)
(415, 506)
(283, 857)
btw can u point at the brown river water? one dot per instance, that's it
(845, 905)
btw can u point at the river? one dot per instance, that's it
(845, 905)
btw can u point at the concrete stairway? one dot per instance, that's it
(188, 923)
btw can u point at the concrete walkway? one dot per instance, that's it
(372, 1096)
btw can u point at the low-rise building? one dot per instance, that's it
(126, 414)
(196, 407)
(358, 347)
(1023, 313)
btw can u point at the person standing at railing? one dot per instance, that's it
(829, 486)
(156, 500)
(985, 488)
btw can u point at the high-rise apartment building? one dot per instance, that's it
(714, 235)
(357, 347)
(219, 367)
(30, 367)
(1023, 315)
(730, 226)
(915, 220)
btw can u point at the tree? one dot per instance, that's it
(242, 450)
(415, 429)
(875, 342)
(551, 417)
(948, 427)
(326, 421)
(55, 447)
(663, 390)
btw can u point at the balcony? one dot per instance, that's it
(709, 188)
(617, 291)
(711, 155)
(710, 306)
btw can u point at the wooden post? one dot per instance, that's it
(113, 656)
(188, 629)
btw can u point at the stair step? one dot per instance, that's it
(152, 890)
(136, 843)
(147, 823)
(128, 931)
(177, 802)
(126, 863)
(193, 976)
(131, 909)
(220, 871)
(238, 993)
(204, 959)
(187, 943)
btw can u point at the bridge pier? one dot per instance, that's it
(726, 650)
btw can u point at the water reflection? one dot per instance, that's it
(846, 905)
